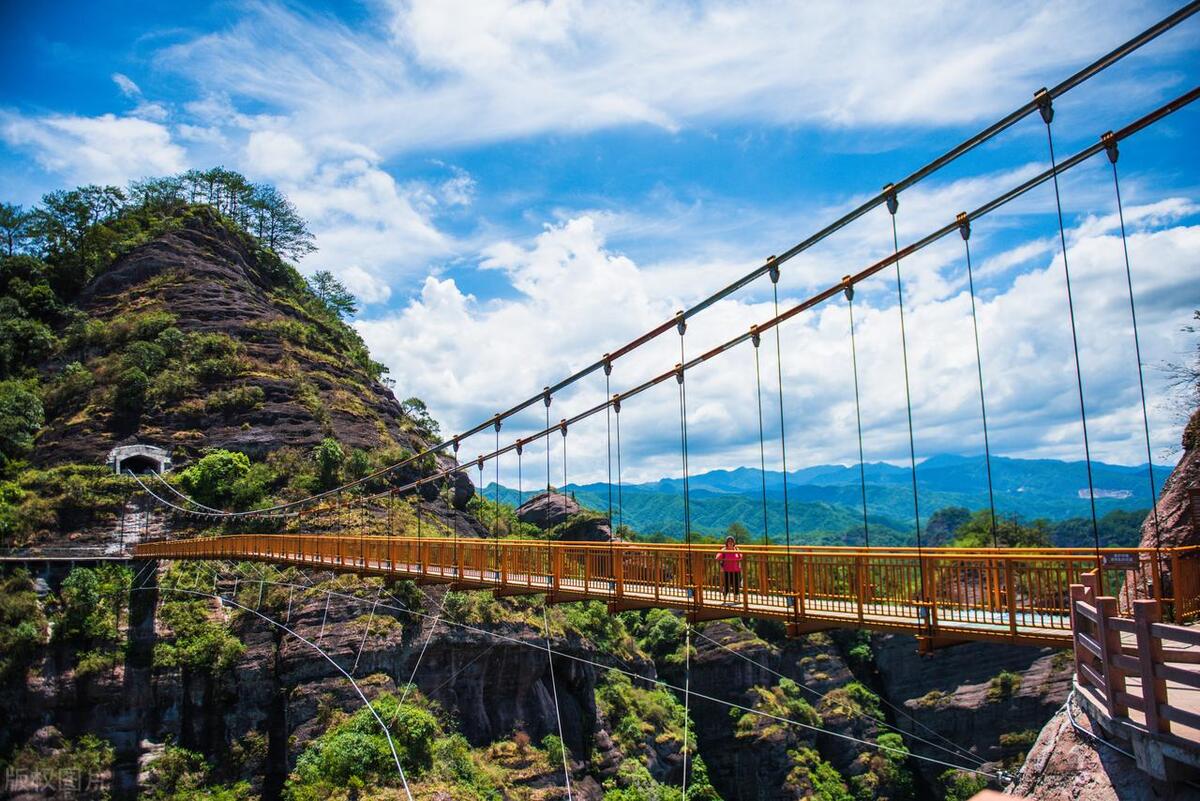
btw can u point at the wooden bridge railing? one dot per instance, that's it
(1132, 667)
(1016, 595)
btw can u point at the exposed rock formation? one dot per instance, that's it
(213, 280)
(951, 691)
(567, 519)
(1065, 765)
(547, 509)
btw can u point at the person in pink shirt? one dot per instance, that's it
(730, 560)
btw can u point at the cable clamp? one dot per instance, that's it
(773, 269)
(607, 364)
(520, 446)
(1045, 104)
(890, 197)
(562, 426)
(479, 463)
(497, 421)
(680, 323)
(1109, 140)
(616, 402)
(755, 337)
(964, 225)
(546, 396)
(455, 445)
(848, 287)
(679, 373)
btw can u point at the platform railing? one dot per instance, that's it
(1134, 667)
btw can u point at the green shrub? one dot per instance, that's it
(329, 458)
(198, 643)
(145, 356)
(22, 623)
(958, 785)
(90, 604)
(171, 386)
(21, 416)
(1004, 685)
(129, 397)
(211, 479)
(68, 390)
(238, 399)
(355, 750)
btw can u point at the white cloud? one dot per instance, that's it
(372, 232)
(103, 149)
(576, 298)
(469, 72)
(127, 86)
(276, 155)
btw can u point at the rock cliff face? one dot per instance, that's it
(1065, 765)
(565, 518)
(202, 277)
(956, 696)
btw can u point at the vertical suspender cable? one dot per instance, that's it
(787, 526)
(616, 405)
(1046, 107)
(454, 517)
(546, 514)
(756, 339)
(496, 490)
(612, 533)
(681, 326)
(964, 228)
(848, 290)
(893, 203)
(1110, 144)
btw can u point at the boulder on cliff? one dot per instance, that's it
(565, 518)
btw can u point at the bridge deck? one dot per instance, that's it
(1020, 596)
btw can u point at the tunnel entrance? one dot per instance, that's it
(140, 459)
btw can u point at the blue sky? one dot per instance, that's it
(513, 188)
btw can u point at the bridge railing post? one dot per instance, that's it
(1146, 613)
(1010, 589)
(860, 582)
(798, 585)
(1110, 646)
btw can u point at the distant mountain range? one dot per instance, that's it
(825, 502)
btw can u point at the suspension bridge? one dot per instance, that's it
(940, 595)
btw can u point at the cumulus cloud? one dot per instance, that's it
(103, 149)
(372, 231)
(575, 298)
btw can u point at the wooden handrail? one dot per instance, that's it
(1104, 664)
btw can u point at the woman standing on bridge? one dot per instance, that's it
(730, 560)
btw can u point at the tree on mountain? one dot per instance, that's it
(1011, 532)
(277, 224)
(739, 532)
(944, 523)
(418, 412)
(329, 457)
(14, 227)
(68, 229)
(333, 294)
(20, 418)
